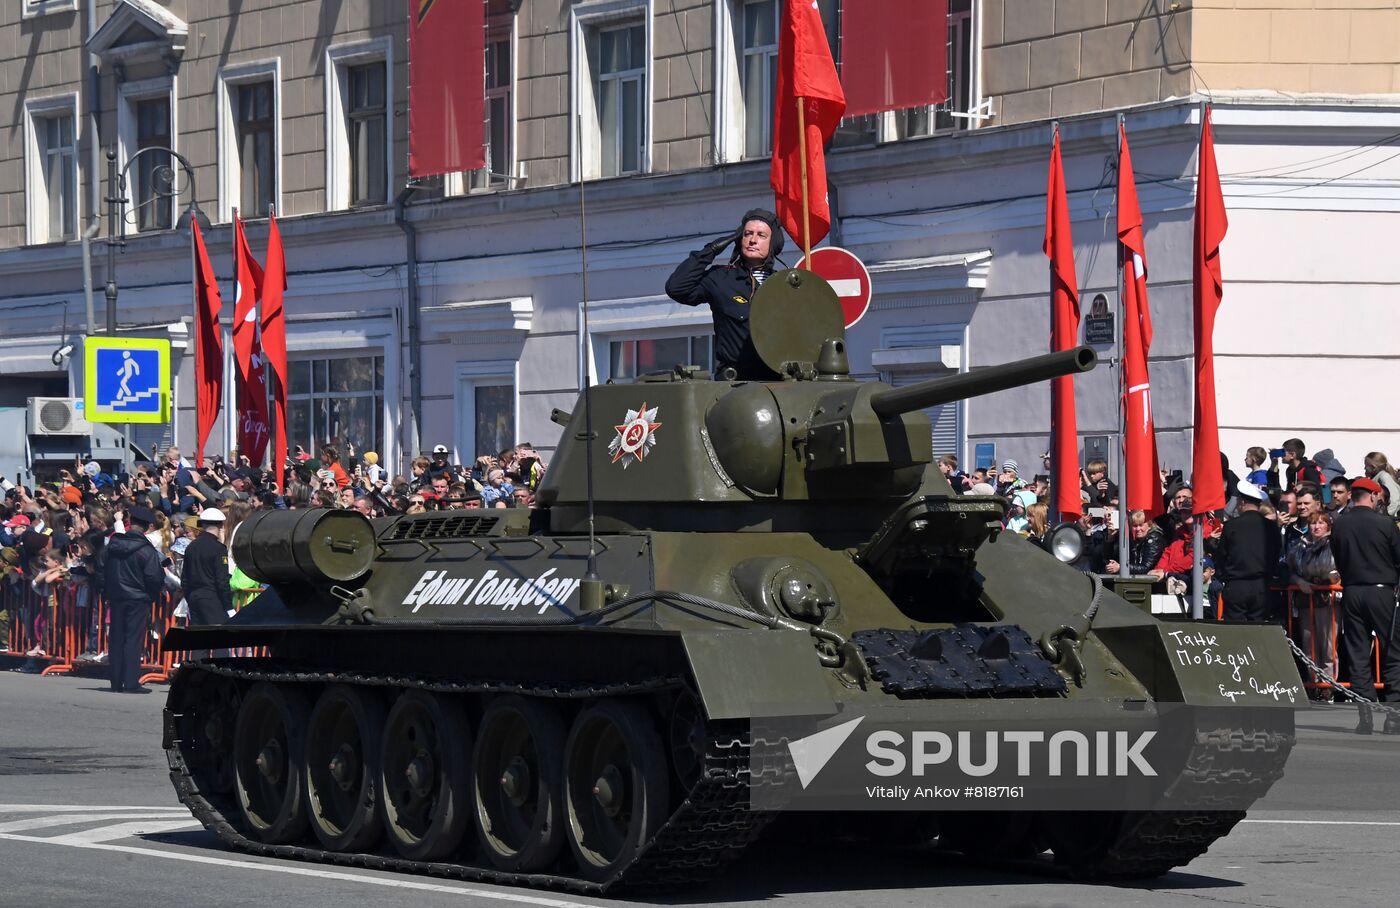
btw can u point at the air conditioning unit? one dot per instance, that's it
(57, 416)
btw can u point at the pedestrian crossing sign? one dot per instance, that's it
(126, 379)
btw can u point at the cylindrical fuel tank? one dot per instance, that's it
(317, 545)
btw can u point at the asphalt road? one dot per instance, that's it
(88, 817)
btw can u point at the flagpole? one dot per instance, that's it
(1197, 571)
(270, 452)
(1124, 550)
(231, 360)
(199, 348)
(802, 154)
(1055, 472)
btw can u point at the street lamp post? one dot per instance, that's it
(163, 175)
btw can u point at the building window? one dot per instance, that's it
(500, 107)
(486, 409)
(494, 418)
(359, 135)
(257, 146)
(946, 421)
(34, 8)
(250, 139)
(610, 88)
(924, 121)
(852, 131)
(60, 176)
(153, 174)
(366, 123)
(759, 75)
(51, 163)
(146, 113)
(337, 401)
(630, 358)
(620, 88)
(746, 76)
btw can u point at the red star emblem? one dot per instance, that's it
(635, 436)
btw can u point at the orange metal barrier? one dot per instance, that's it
(1319, 618)
(29, 625)
(1315, 628)
(1311, 622)
(56, 629)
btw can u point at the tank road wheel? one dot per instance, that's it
(342, 768)
(269, 762)
(615, 786)
(209, 715)
(516, 782)
(427, 742)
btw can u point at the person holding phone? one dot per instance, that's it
(1094, 480)
(1299, 468)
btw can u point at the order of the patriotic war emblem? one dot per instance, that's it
(635, 436)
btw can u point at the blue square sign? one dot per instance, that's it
(128, 379)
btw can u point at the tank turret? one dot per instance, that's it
(814, 446)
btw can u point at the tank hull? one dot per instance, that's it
(465, 631)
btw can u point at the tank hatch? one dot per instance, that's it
(791, 318)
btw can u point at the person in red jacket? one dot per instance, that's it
(1176, 557)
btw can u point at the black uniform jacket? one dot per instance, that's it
(204, 578)
(726, 289)
(1248, 549)
(131, 572)
(1366, 546)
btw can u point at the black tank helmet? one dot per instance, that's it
(775, 245)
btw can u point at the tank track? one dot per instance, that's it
(1150, 843)
(714, 823)
(709, 828)
(1233, 759)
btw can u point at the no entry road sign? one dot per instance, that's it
(847, 276)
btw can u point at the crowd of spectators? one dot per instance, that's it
(53, 537)
(1299, 496)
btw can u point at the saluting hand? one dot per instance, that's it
(716, 246)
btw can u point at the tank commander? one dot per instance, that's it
(727, 289)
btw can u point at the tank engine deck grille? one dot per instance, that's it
(968, 661)
(443, 526)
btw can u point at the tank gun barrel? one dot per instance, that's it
(935, 391)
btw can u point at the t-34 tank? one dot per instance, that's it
(501, 695)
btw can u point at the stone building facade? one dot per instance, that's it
(659, 106)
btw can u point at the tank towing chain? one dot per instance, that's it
(709, 828)
(1347, 693)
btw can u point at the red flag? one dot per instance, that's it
(1064, 335)
(1141, 475)
(274, 339)
(209, 345)
(805, 70)
(1207, 287)
(446, 86)
(902, 47)
(247, 350)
